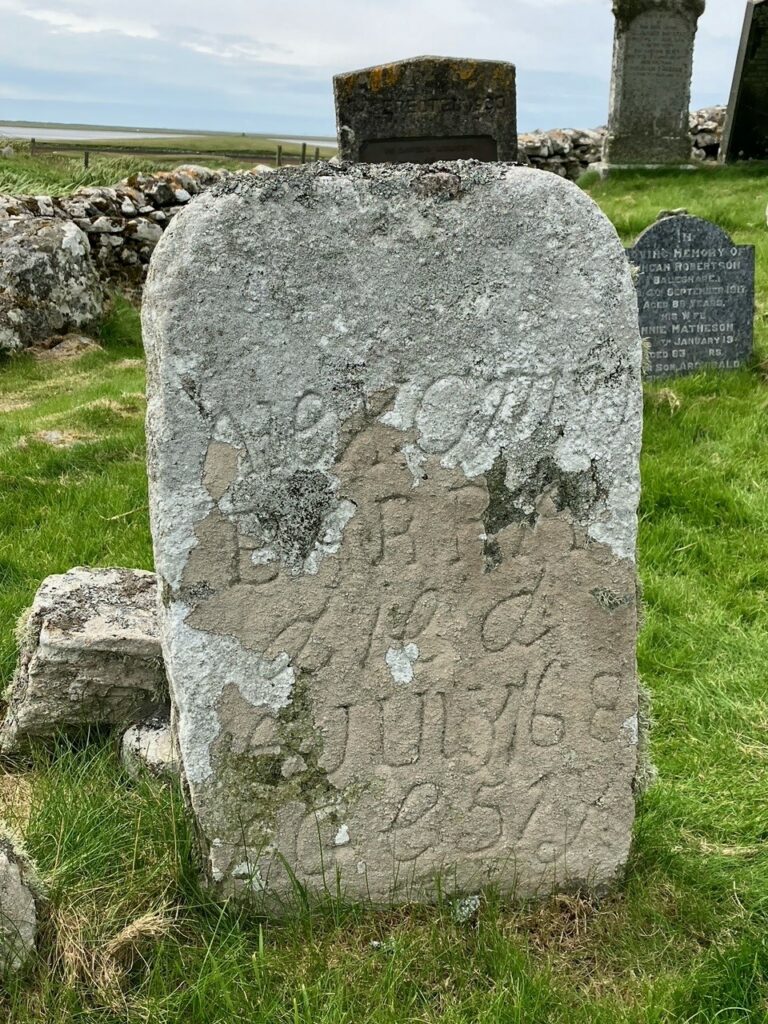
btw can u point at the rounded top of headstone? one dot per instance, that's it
(671, 229)
(625, 11)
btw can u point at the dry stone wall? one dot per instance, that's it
(570, 152)
(123, 223)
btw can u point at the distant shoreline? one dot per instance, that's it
(56, 130)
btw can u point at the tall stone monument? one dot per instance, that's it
(427, 109)
(745, 136)
(394, 424)
(651, 83)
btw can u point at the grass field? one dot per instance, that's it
(129, 937)
(52, 173)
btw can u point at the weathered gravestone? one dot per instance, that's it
(745, 135)
(394, 423)
(651, 82)
(696, 293)
(427, 109)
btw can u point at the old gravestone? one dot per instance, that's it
(651, 82)
(696, 294)
(427, 109)
(745, 135)
(394, 423)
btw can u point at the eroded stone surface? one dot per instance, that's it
(89, 655)
(427, 109)
(149, 746)
(651, 82)
(48, 283)
(18, 909)
(394, 478)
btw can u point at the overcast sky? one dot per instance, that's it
(266, 65)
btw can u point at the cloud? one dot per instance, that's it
(261, 65)
(230, 47)
(89, 24)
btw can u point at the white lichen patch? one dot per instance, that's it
(249, 873)
(342, 836)
(631, 729)
(400, 661)
(216, 661)
(331, 533)
(415, 459)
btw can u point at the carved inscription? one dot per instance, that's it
(451, 706)
(695, 295)
(651, 84)
(656, 72)
(427, 109)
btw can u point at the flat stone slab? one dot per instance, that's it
(696, 294)
(394, 429)
(89, 655)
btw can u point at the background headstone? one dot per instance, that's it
(394, 419)
(696, 295)
(427, 109)
(651, 82)
(746, 125)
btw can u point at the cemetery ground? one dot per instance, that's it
(128, 935)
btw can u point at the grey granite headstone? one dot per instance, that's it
(394, 419)
(745, 135)
(427, 109)
(651, 82)
(696, 294)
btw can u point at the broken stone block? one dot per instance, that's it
(394, 427)
(89, 655)
(18, 904)
(149, 746)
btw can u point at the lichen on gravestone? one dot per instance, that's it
(394, 423)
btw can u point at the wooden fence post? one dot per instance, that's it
(303, 152)
(86, 159)
(31, 147)
(279, 157)
(317, 153)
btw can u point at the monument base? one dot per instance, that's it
(604, 169)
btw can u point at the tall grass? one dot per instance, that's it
(60, 175)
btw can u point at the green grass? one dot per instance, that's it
(130, 937)
(56, 175)
(51, 173)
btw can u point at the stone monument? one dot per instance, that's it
(427, 109)
(651, 83)
(745, 135)
(394, 420)
(696, 293)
